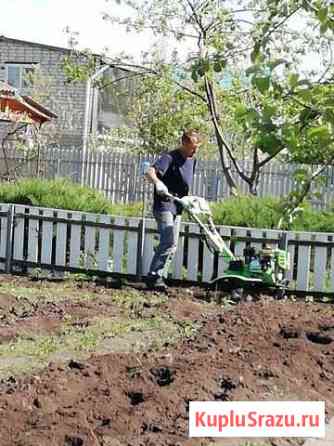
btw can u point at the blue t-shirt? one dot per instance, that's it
(177, 173)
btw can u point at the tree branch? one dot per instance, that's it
(278, 25)
(202, 34)
(269, 158)
(189, 90)
(212, 106)
(303, 193)
(330, 65)
(146, 70)
(121, 79)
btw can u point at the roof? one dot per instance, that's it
(41, 45)
(36, 44)
(17, 108)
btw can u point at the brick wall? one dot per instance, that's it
(65, 100)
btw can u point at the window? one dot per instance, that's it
(17, 75)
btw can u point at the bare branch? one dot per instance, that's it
(269, 158)
(329, 67)
(197, 18)
(189, 90)
(304, 192)
(279, 24)
(146, 70)
(101, 86)
(212, 106)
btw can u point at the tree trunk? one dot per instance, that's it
(226, 169)
(220, 142)
(254, 183)
(253, 189)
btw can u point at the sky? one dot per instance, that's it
(44, 21)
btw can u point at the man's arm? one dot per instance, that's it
(157, 171)
(160, 187)
(151, 175)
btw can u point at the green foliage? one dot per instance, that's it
(276, 104)
(126, 210)
(316, 221)
(160, 110)
(247, 211)
(254, 212)
(58, 194)
(78, 67)
(62, 194)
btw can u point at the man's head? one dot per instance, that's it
(191, 140)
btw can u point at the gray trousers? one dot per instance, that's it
(169, 229)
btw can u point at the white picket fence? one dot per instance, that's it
(52, 240)
(118, 174)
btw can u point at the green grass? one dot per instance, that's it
(130, 299)
(45, 293)
(133, 321)
(29, 352)
(135, 302)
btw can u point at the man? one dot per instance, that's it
(172, 173)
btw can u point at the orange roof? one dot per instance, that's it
(18, 108)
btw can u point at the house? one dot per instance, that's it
(21, 109)
(19, 59)
(20, 116)
(36, 69)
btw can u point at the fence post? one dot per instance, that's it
(283, 243)
(9, 239)
(141, 237)
(144, 165)
(58, 167)
(140, 249)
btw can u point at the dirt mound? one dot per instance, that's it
(256, 351)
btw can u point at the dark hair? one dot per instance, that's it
(188, 134)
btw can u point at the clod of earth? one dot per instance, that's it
(227, 385)
(150, 428)
(105, 422)
(76, 365)
(163, 376)
(133, 372)
(73, 441)
(290, 332)
(319, 338)
(136, 398)
(266, 373)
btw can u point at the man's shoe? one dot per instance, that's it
(160, 285)
(150, 280)
(156, 283)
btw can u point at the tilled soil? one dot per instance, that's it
(21, 315)
(265, 350)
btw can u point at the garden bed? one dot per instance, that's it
(81, 364)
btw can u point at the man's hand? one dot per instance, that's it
(161, 188)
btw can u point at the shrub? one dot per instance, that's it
(247, 211)
(62, 194)
(256, 212)
(127, 210)
(252, 212)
